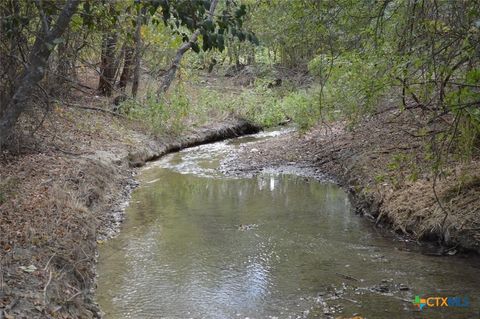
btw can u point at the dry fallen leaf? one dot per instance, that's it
(28, 269)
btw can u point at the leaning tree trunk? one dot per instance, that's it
(35, 70)
(170, 74)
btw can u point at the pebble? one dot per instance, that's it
(403, 287)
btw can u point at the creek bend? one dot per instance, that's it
(197, 243)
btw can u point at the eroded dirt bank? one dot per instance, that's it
(383, 162)
(60, 199)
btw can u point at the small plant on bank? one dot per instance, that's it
(164, 115)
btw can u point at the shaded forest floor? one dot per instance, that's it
(382, 162)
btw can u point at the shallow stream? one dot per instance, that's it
(198, 243)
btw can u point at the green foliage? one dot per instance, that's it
(183, 15)
(162, 43)
(261, 107)
(361, 53)
(212, 104)
(185, 107)
(265, 107)
(463, 103)
(351, 84)
(164, 116)
(303, 108)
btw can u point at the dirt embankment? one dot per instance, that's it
(63, 195)
(384, 162)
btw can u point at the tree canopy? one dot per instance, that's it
(415, 53)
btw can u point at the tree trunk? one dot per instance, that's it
(170, 74)
(127, 68)
(10, 65)
(35, 71)
(65, 67)
(108, 64)
(138, 51)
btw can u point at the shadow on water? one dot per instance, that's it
(197, 244)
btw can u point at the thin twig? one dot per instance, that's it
(45, 289)
(347, 276)
(94, 109)
(76, 294)
(49, 260)
(47, 109)
(68, 152)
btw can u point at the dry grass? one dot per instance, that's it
(54, 196)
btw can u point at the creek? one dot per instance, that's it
(199, 243)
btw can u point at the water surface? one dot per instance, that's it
(198, 244)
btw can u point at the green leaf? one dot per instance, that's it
(473, 76)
